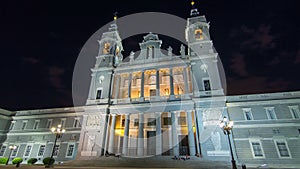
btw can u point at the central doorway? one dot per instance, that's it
(151, 142)
(183, 145)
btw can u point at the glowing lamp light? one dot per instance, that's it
(192, 3)
(12, 147)
(53, 129)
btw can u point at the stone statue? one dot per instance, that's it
(216, 140)
(131, 57)
(91, 142)
(170, 51)
(182, 50)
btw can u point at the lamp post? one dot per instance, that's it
(11, 150)
(227, 125)
(58, 133)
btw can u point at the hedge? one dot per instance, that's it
(17, 160)
(47, 161)
(3, 160)
(32, 161)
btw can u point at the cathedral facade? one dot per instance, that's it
(155, 103)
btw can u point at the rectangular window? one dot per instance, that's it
(12, 124)
(167, 121)
(151, 122)
(41, 150)
(49, 123)
(136, 122)
(271, 113)
(27, 150)
(63, 122)
(15, 151)
(2, 150)
(182, 121)
(56, 150)
(295, 112)
(276, 131)
(73, 137)
(206, 84)
(99, 94)
(123, 123)
(248, 114)
(282, 149)
(257, 149)
(24, 124)
(126, 83)
(76, 123)
(36, 124)
(70, 150)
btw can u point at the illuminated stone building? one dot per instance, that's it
(155, 103)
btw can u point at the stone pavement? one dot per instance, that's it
(150, 162)
(135, 163)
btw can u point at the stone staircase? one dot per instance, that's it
(149, 162)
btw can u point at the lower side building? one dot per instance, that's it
(266, 130)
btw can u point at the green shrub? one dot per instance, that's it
(32, 161)
(17, 160)
(47, 161)
(3, 160)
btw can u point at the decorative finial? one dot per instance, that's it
(115, 16)
(194, 11)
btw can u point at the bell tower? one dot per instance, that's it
(203, 56)
(109, 57)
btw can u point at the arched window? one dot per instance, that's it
(106, 48)
(198, 34)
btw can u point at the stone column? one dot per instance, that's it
(117, 87)
(126, 132)
(142, 86)
(92, 87)
(191, 137)
(140, 148)
(157, 83)
(158, 134)
(197, 132)
(129, 85)
(105, 135)
(186, 83)
(171, 83)
(174, 134)
(82, 135)
(112, 134)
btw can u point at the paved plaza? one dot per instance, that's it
(135, 163)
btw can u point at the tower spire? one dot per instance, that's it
(115, 16)
(194, 11)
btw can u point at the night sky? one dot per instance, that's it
(257, 40)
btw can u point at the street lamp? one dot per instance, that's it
(227, 125)
(11, 150)
(58, 133)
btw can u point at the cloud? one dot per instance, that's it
(56, 71)
(55, 76)
(238, 64)
(256, 84)
(297, 59)
(259, 38)
(30, 60)
(246, 85)
(274, 62)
